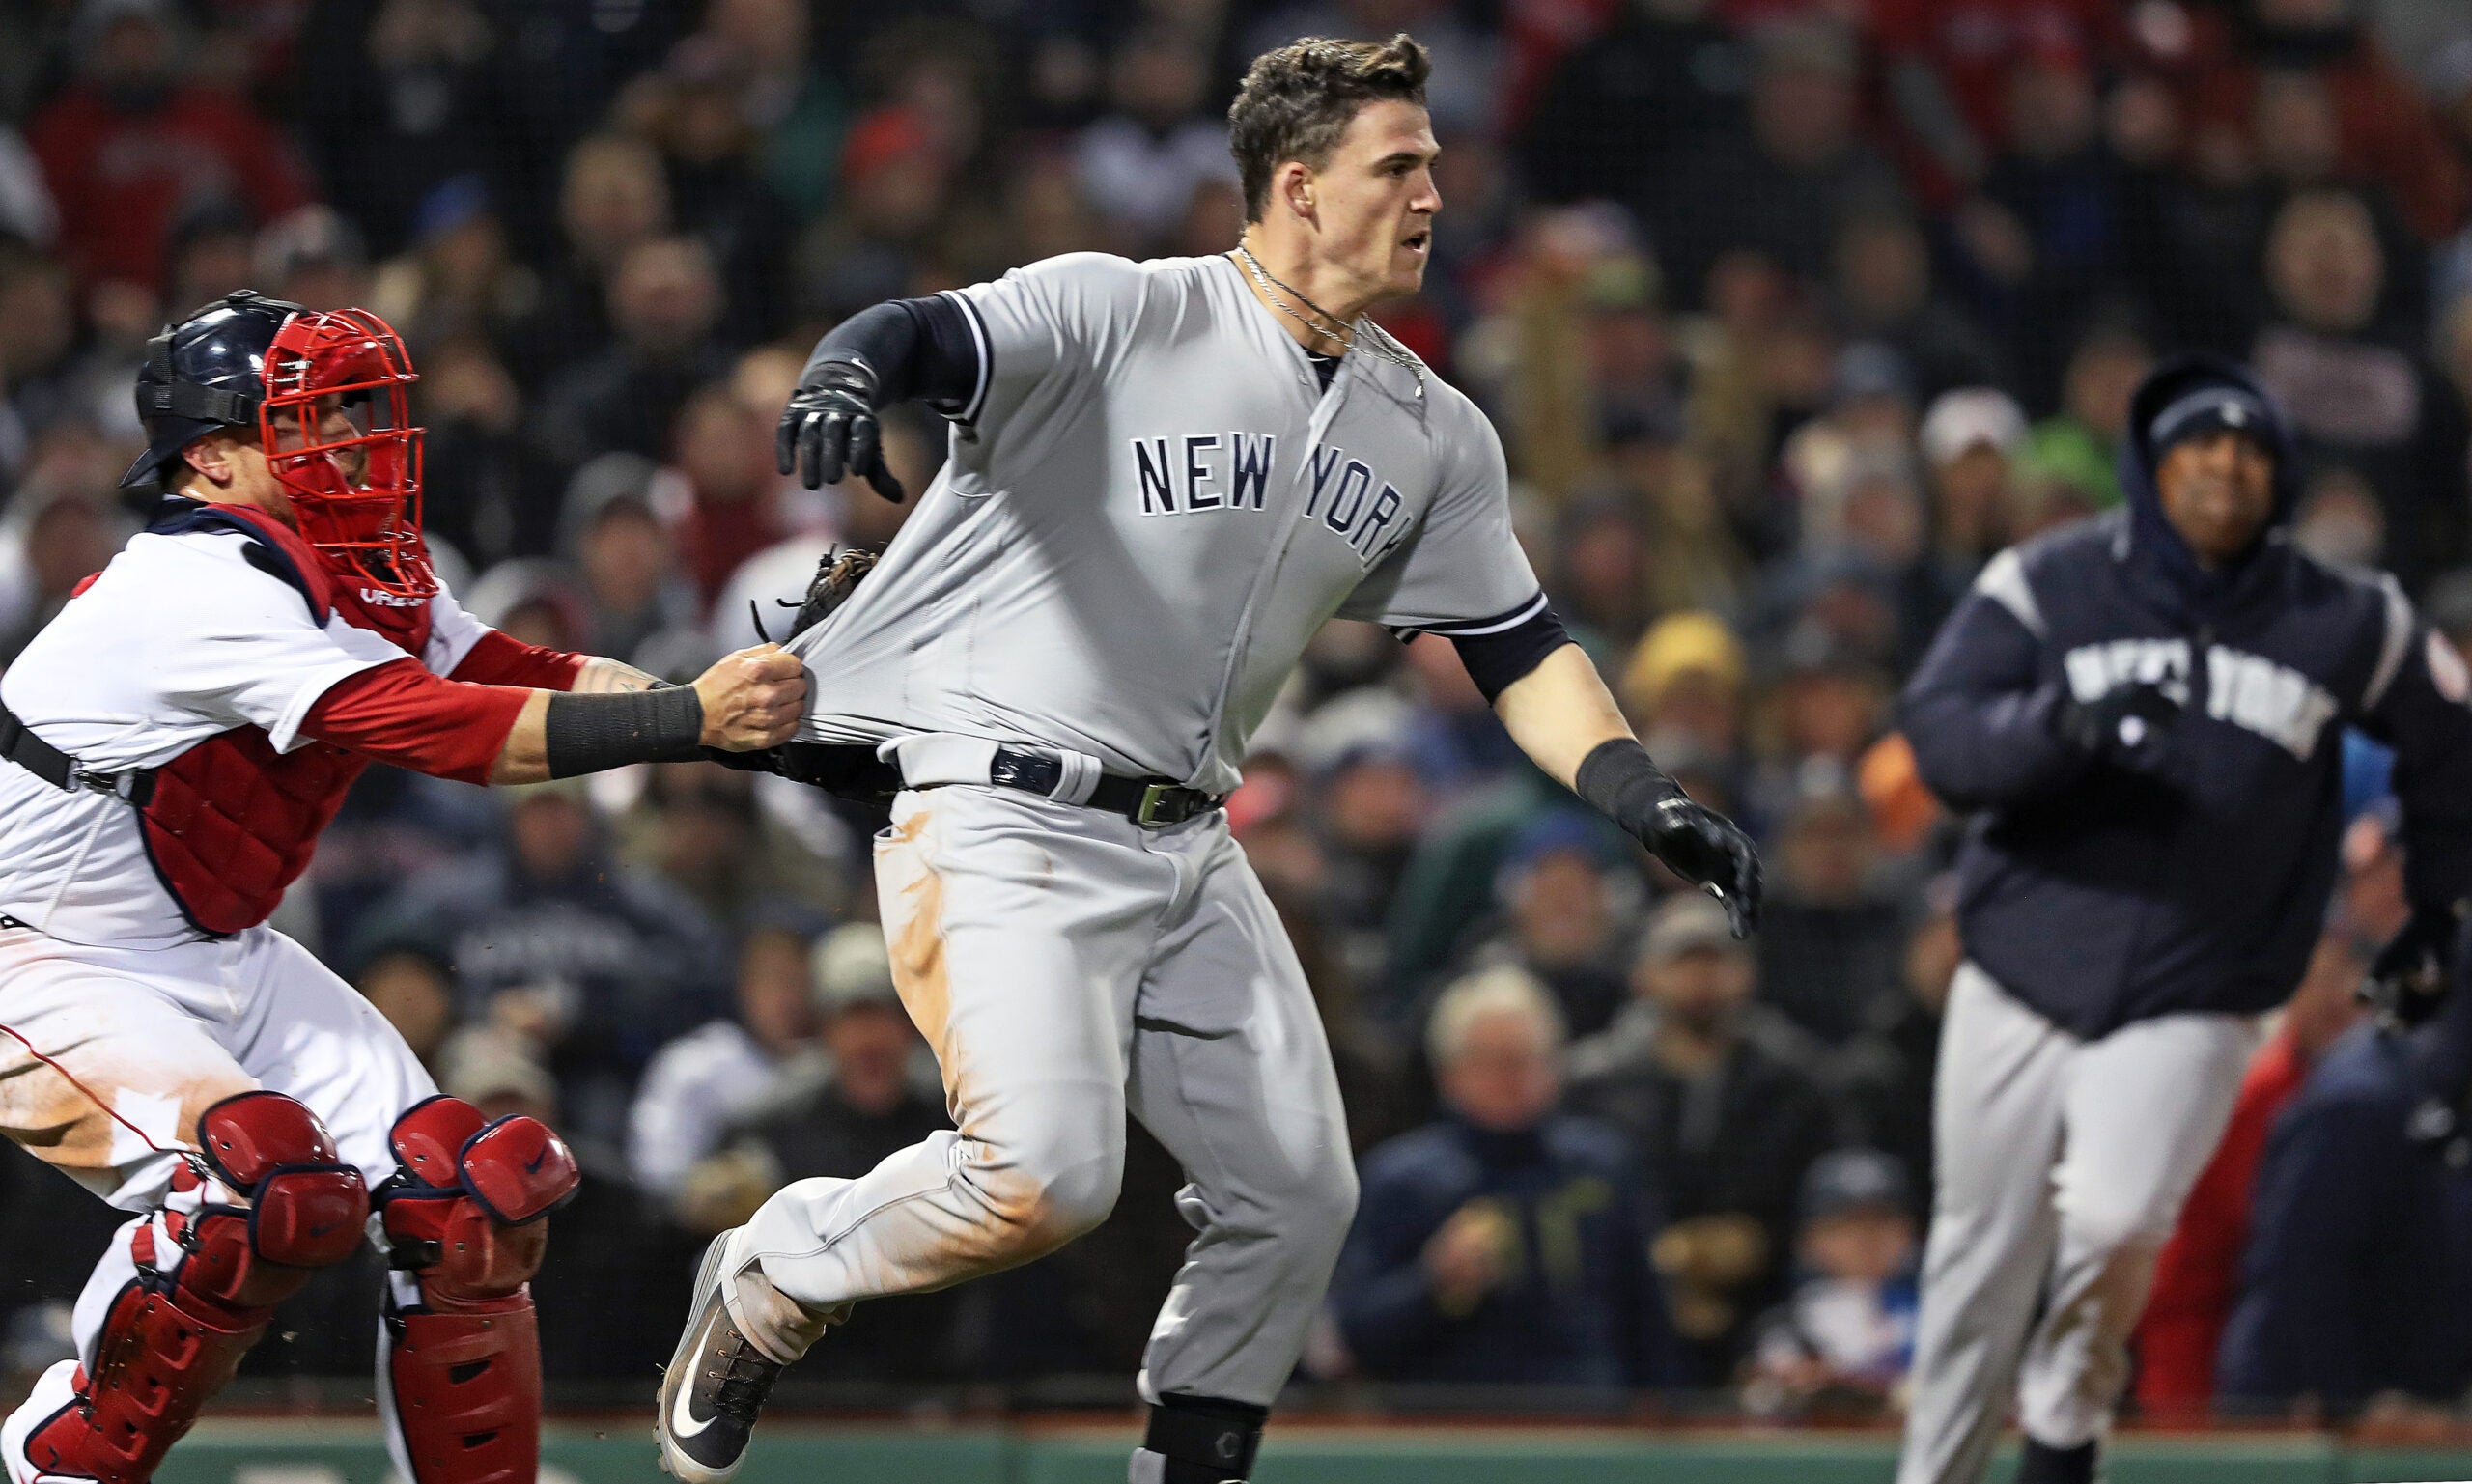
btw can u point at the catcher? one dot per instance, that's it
(170, 744)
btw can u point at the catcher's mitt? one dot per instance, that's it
(837, 577)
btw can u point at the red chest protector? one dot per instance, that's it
(231, 822)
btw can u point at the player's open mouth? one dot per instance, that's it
(1416, 241)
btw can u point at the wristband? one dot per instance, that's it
(587, 734)
(1622, 782)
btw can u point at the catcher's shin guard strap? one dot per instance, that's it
(466, 1390)
(1205, 1440)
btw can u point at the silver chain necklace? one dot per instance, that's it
(1347, 337)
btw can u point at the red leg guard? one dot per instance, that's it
(174, 1336)
(467, 1390)
(466, 1218)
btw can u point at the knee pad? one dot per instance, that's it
(463, 1216)
(209, 1276)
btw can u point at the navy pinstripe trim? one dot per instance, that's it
(986, 356)
(1473, 627)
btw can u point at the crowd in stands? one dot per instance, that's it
(1792, 313)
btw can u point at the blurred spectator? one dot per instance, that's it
(866, 1098)
(897, 175)
(312, 256)
(723, 450)
(1830, 931)
(612, 200)
(664, 304)
(414, 988)
(1507, 1244)
(2199, 1273)
(593, 963)
(26, 209)
(793, 105)
(697, 1085)
(488, 489)
(1721, 1099)
(396, 99)
(458, 275)
(692, 111)
(1663, 74)
(701, 827)
(1140, 164)
(2047, 228)
(1840, 1346)
(2354, 1280)
(2079, 445)
(1951, 67)
(1786, 185)
(1564, 898)
(1881, 272)
(1969, 438)
(1683, 686)
(2359, 399)
(613, 531)
(66, 535)
(130, 145)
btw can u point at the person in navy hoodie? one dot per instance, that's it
(2144, 713)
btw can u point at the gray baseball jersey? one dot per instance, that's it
(1150, 506)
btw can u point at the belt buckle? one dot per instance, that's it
(1153, 796)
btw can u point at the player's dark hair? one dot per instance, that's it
(1296, 102)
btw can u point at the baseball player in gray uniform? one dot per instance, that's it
(1164, 477)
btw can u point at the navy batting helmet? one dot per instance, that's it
(204, 372)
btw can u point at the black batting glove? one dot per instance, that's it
(1695, 842)
(829, 430)
(2409, 979)
(2131, 725)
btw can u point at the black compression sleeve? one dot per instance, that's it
(919, 348)
(1496, 659)
(1622, 782)
(585, 734)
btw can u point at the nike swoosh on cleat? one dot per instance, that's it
(532, 1166)
(682, 1418)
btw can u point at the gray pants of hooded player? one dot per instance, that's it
(1067, 965)
(2061, 1167)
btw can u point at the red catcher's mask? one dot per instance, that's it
(337, 430)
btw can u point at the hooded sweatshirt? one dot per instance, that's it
(2099, 895)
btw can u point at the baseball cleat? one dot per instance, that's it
(717, 1378)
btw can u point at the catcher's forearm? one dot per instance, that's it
(605, 677)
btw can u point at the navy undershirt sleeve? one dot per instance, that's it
(1499, 651)
(920, 349)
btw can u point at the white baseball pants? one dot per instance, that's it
(107, 1057)
(1067, 965)
(2061, 1167)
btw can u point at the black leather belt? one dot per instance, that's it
(1151, 802)
(852, 771)
(20, 745)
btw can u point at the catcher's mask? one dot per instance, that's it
(335, 424)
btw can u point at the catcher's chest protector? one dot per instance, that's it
(231, 822)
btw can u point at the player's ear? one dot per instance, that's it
(210, 456)
(1295, 185)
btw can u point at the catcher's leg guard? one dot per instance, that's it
(210, 1274)
(463, 1217)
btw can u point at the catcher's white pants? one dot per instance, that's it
(1067, 965)
(107, 1055)
(2061, 1167)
